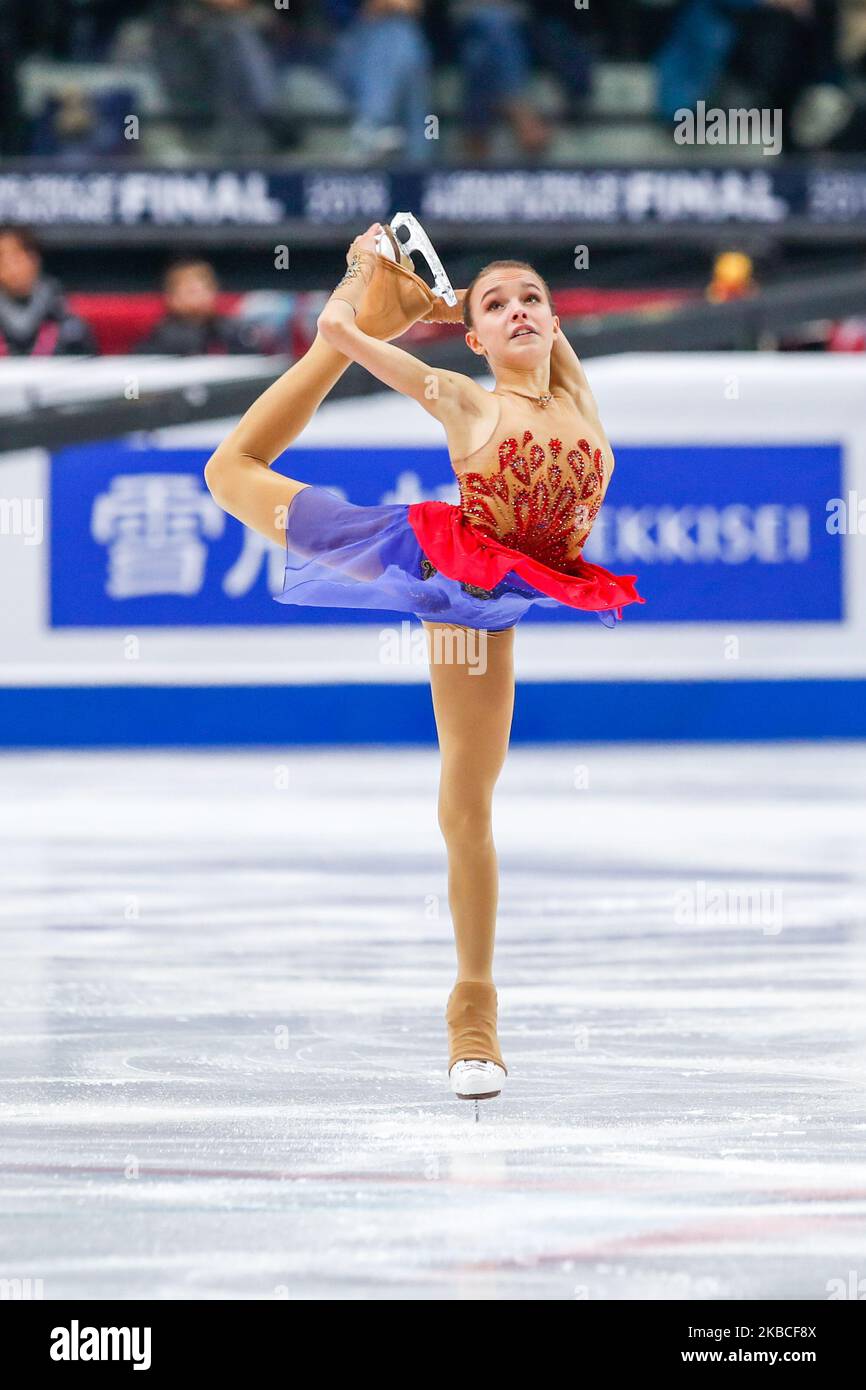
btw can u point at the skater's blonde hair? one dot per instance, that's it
(501, 265)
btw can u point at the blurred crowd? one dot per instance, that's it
(36, 319)
(232, 77)
(192, 317)
(226, 73)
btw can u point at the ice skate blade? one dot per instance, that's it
(418, 240)
(388, 246)
(476, 1080)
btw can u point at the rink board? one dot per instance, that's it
(150, 548)
(142, 614)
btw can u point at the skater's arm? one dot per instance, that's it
(566, 370)
(567, 374)
(441, 393)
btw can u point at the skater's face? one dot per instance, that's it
(513, 323)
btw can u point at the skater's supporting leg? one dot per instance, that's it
(473, 719)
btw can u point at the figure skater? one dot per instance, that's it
(533, 465)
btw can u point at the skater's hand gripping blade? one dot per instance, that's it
(476, 1080)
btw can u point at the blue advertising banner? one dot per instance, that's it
(717, 533)
(137, 539)
(720, 533)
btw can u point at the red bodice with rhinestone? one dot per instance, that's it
(536, 489)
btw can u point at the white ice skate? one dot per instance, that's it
(475, 1080)
(389, 243)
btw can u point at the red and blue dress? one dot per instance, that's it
(528, 500)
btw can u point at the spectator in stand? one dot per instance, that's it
(562, 40)
(192, 327)
(495, 61)
(733, 277)
(787, 52)
(34, 318)
(383, 62)
(847, 336)
(75, 126)
(215, 57)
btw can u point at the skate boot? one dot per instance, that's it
(396, 297)
(475, 1065)
(448, 307)
(416, 239)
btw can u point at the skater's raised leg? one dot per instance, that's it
(386, 301)
(239, 474)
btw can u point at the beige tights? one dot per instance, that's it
(471, 672)
(472, 683)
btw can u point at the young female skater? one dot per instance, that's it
(533, 464)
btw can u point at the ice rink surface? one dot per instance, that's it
(224, 1053)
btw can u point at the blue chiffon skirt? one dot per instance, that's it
(341, 555)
